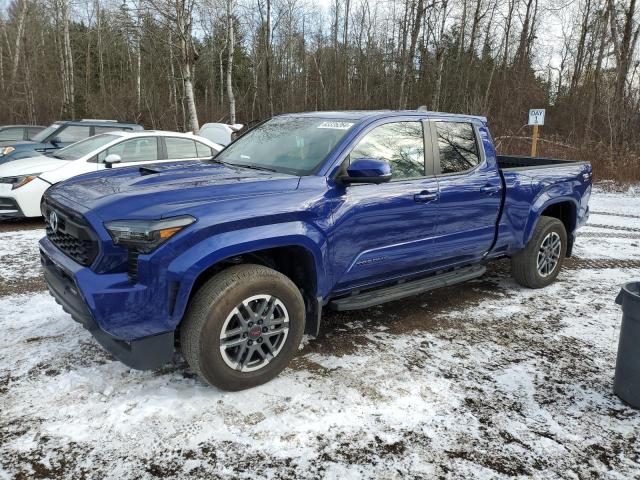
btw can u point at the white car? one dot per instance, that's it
(22, 182)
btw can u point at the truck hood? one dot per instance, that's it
(162, 190)
(30, 166)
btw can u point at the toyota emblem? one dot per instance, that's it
(53, 221)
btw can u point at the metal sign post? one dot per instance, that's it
(536, 118)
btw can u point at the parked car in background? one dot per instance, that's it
(22, 182)
(343, 210)
(59, 135)
(15, 133)
(220, 133)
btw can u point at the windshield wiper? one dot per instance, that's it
(255, 167)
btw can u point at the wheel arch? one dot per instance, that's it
(564, 209)
(298, 256)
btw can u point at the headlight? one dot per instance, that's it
(19, 181)
(146, 235)
(7, 150)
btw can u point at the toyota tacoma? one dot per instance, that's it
(232, 259)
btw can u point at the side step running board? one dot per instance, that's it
(401, 290)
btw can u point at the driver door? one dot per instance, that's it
(386, 231)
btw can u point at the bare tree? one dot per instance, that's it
(179, 14)
(230, 49)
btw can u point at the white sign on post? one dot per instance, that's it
(536, 116)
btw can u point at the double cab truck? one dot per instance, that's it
(232, 259)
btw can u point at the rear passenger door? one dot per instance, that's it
(469, 200)
(134, 151)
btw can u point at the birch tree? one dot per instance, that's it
(179, 17)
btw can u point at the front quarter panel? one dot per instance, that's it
(185, 269)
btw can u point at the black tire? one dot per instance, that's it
(524, 264)
(212, 306)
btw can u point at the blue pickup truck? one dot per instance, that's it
(233, 259)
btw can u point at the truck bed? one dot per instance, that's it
(519, 162)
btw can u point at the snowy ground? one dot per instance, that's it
(487, 380)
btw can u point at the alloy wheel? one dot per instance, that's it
(549, 254)
(254, 333)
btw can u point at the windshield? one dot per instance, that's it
(83, 147)
(43, 134)
(285, 144)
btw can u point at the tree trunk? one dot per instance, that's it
(268, 59)
(584, 29)
(596, 78)
(68, 61)
(408, 62)
(230, 48)
(18, 45)
(100, 49)
(435, 102)
(194, 126)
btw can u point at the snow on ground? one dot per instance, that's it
(19, 257)
(485, 380)
(607, 246)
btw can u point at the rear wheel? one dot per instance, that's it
(539, 263)
(243, 326)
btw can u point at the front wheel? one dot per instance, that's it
(243, 327)
(539, 263)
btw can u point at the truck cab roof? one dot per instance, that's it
(370, 115)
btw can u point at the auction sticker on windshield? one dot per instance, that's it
(336, 125)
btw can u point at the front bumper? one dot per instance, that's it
(9, 208)
(23, 201)
(141, 353)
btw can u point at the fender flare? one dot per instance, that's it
(189, 265)
(543, 202)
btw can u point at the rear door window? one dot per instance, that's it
(204, 151)
(31, 132)
(457, 147)
(14, 133)
(99, 130)
(74, 133)
(180, 148)
(143, 149)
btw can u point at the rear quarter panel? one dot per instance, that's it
(530, 191)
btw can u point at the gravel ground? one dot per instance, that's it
(482, 380)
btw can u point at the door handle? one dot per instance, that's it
(424, 196)
(490, 189)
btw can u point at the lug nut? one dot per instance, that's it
(259, 340)
(250, 342)
(259, 322)
(244, 335)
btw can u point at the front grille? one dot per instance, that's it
(72, 234)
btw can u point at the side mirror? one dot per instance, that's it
(111, 159)
(55, 141)
(367, 170)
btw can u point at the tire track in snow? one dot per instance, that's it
(614, 214)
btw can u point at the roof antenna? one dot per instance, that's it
(422, 108)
